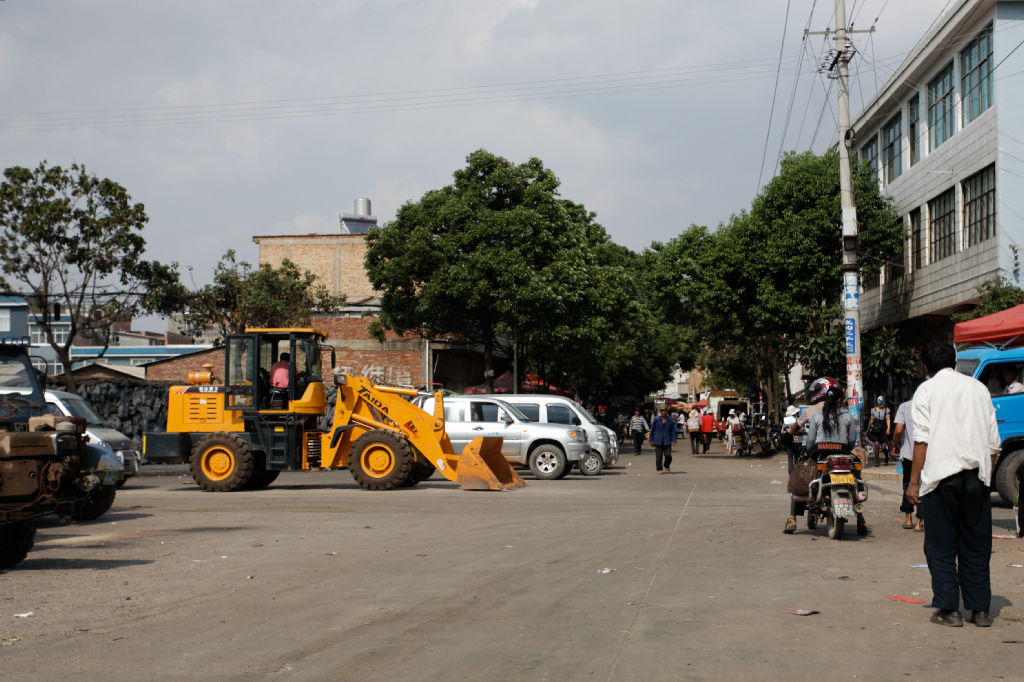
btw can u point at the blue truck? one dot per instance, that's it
(1001, 370)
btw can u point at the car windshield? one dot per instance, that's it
(78, 407)
(586, 412)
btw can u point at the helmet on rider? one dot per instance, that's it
(825, 387)
(881, 400)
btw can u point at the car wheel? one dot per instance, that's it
(547, 462)
(95, 505)
(592, 464)
(1006, 476)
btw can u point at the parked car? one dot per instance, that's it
(550, 450)
(555, 409)
(100, 433)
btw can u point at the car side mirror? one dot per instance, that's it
(576, 421)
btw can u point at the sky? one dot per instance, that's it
(237, 118)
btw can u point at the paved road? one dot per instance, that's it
(625, 576)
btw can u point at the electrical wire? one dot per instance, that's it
(775, 92)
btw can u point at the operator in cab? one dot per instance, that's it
(279, 372)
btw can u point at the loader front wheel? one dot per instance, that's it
(221, 462)
(381, 460)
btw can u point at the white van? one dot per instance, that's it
(98, 431)
(554, 409)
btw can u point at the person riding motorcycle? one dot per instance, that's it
(831, 430)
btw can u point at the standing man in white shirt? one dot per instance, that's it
(956, 441)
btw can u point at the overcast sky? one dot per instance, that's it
(237, 118)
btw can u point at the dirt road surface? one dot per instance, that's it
(623, 576)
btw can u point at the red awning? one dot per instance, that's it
(1005, 327)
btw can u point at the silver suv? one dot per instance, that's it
(555, 409)
(550, 450)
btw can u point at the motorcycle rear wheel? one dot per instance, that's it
(835, 527)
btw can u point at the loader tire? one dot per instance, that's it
(16, 539)
(420, 472)
(262, 478)
(221, 462)
(381, 460)
(547, 462)
(95, 505)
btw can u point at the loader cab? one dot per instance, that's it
(276, 370)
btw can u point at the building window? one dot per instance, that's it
(976, 76)
(916, 240)
(980, 206)
(940, 108)
(942, 226)
(871, 281)
(914, 131)
(5, 319)
(869, 153)
(892, 162)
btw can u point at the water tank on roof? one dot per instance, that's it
(363, 207)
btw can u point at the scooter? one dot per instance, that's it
(837, 495)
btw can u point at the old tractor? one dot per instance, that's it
(270, 414)
(46, 464)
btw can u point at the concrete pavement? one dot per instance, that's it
(623, 576)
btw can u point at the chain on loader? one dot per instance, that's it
(268, 416)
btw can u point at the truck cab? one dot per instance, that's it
(1001, 369)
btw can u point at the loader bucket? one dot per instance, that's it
(483, 467)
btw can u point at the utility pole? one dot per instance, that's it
(839, 63)
(851, 275)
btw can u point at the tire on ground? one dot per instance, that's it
(16, 539)
(95, 505)
(381, 460)
(1006, 475)
(262, 478)
(547, 462)
(591, 464)
(421, 471)
(221, 462)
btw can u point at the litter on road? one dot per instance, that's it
(801, 612)
(27, 614)
(606, 570)
(908, 600)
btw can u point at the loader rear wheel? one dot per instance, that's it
(548, 462)
(16, 539)
(221, 462)
(381, 460)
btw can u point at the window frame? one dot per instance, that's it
(941, 120)
(914, 128)
(976, 76)
(979, 192)
(942, 226)
(892, 136)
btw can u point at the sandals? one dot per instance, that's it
(909, 525)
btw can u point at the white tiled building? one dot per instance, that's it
(946, 136)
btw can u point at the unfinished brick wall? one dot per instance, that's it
(336, 259)
(177, 370)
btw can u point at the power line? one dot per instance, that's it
(775, 91)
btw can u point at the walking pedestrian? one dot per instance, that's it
(903, 438)
(956, 441)
(693, 428)
(663, 434)
(707, 428)
(637, 429)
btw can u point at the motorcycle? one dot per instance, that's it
(774, 437)
(837, 495)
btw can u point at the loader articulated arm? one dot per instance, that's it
(362, 406)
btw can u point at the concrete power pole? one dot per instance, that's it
(851, 276)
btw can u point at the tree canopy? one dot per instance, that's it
(242, 296)
(70, 238)
(499, 259)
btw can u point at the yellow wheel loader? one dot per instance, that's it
(269, 416)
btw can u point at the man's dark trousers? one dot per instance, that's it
(958, 542)
(662, 452)
(638, 439)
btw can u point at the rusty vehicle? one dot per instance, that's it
(46, 464)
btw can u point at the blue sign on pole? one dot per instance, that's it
(851, 333)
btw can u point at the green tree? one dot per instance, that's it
(885, 360)
(994, 295)
(242, 296)
(495, 256)
(71, 239)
